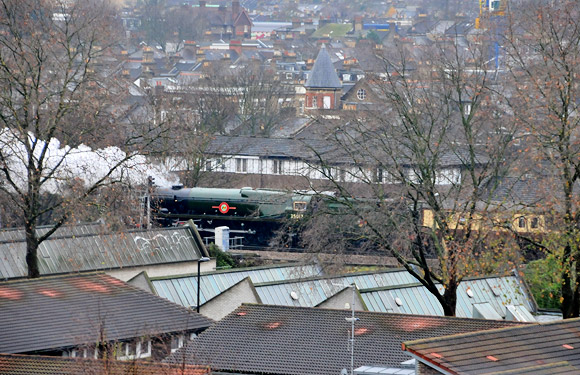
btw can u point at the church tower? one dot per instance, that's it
(323, 87)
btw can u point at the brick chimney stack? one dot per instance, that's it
(235, 8)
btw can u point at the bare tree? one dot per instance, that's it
(428, 161)
(195, 113)
(51, 70)
(543, 54)
(263, 100)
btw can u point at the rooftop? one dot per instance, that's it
(550, 348)
(68, 311)
(14, 364)
(91, 247)
(296, 340)
(323, 74)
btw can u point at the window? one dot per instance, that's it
(176, 342)
(288, 75)
(448, 176)
(314, 102)
(241, 165)
(132, 350)
(208, 165)
(300, 206)
(84, 353)
(521, 222)
(466, 109)
(277, 166)
(327, 102)
(361, 94)
(379, 175)
(535, 223)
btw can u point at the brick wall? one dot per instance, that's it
(423, 369)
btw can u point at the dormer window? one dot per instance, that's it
(361, 94)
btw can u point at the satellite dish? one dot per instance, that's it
(344, 372)
(347, 305)
(469, 292)
(398, 301)
(294, 295)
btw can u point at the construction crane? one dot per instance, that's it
(489, 9)
(491, 17)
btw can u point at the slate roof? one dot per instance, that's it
(68, 311)
(323, 74)
(14, 364)
(310, 141)
(517, 189)
(265, 147)
(294, 340)
(91, 247)
(549, 348)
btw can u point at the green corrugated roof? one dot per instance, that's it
(499, 292)
(91, 247)
(183, 289)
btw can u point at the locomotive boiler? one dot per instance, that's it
(253, 213)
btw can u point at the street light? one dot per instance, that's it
(199, 261)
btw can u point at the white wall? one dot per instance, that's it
(295, 167)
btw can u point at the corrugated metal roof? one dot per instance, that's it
(519, 313)
(312, 292)
(183, 289)
(485, 311)
(415, 299)
(308, 293)
(88, 248)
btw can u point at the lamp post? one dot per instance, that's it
(199, 261)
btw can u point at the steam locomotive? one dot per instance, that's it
(252, 213)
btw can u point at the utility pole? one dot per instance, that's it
(352, 319)
(150, 183)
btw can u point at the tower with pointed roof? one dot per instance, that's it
(323, 87)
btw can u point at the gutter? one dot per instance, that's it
(426, 361)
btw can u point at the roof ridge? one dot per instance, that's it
(511, 324)
(230, 270)
(25, 279)
(522, 325)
